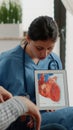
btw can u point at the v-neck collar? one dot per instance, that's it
(30, 61)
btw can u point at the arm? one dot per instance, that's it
(15, 107)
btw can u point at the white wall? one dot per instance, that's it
(69, 55)
(34, 8)
(10, 36)
(8, 44)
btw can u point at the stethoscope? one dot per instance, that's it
(53, 65)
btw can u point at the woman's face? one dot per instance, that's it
(41, 49)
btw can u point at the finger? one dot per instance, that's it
(8, 94)
(30, 124)
(1, 98)
(5, 93)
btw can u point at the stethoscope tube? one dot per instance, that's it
(53, 64)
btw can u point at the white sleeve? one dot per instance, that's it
(10, 111)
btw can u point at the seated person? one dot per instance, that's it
(17, 106)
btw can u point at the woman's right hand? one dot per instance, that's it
(4, 94)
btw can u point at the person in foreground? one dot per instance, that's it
(17, 106)
(18, 65)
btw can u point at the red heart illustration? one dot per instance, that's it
(49, 89)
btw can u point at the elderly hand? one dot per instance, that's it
(4, 94)
(33, 112)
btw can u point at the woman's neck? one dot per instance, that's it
(29, 52)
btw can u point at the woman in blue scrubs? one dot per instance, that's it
(17, 67)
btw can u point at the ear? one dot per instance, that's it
(28, 39)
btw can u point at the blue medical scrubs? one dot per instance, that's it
(17, 76)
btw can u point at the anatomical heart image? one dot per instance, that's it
(51, 89)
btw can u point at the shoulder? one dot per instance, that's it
(15, 51)
(11, 58)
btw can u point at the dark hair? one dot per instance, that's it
(43, 28)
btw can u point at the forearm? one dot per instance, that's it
(10, 111)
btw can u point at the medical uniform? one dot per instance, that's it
(17, 76)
